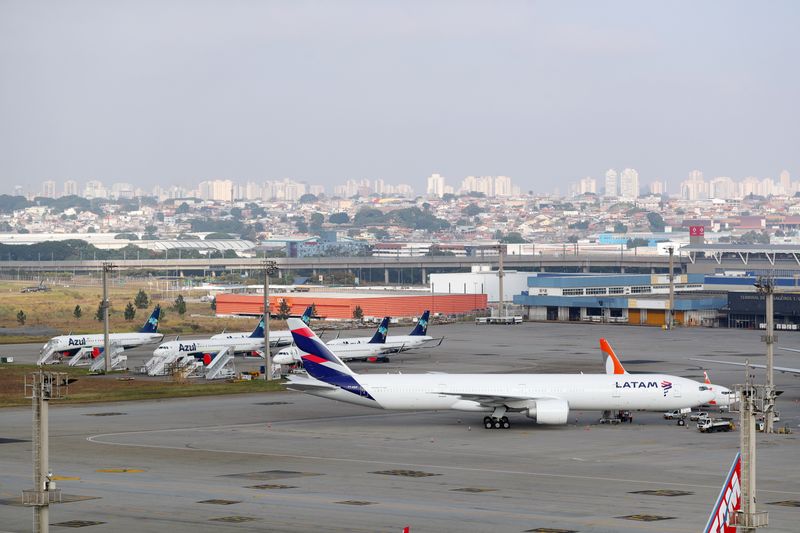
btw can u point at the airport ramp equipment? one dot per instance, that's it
(49, 355)
(118, 360)
(82, 357)
(221, 366)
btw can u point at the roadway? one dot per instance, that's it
(291, 462)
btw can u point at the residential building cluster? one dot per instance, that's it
(489, 186)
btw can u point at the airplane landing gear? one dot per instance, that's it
(491, 422)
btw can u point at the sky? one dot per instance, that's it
(174, 92)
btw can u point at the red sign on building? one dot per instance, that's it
(697, 231)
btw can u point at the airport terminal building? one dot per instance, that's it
(637, 299)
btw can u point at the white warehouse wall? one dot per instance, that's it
(480, 282)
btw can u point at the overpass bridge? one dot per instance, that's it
(375, 267)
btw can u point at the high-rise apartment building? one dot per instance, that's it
(629, 184)
(95, 189)
(722, 187)
(49, 189)
(218, 190)
(658, 187)
(786, 182)
(436, 185)
(612, 184)
(695, 187)
(70, 188)
(502, 186)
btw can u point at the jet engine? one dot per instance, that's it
(549, 411)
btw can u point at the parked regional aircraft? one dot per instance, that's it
(547, 398)
(372, 350)
(63, 346)
(198, 347)
(724, 398)
(781, 369)
(276, 338)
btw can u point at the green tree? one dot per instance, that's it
(284, 310)
(619, 227)
(180, 305)
(637, 242)
(21, 317)
(77, 312)
(513, 237)
(308, 198)
(358, 313)
(130, 312)
(472, 209)
(315, 222)
(656, 222)
(339, 218)
(142, 301)
(182, 209)
(98, 315)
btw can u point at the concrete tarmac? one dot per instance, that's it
(292, 462)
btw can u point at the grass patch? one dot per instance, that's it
(54, 309)
(92, 389)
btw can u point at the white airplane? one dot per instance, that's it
(724, 397)
(547, 398)
(252, 344)
(65, 346)
(276, 338)
(781, 369)
(372, 350)
(418, 336)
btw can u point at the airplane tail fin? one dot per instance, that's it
(258, 333)
(421, 328)
(705, 375)
(318, 360)
(151, 325)
(306, 318)
(610, 359)
(381, 332)
(728, 502)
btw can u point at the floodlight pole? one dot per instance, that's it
(270, 267)
(107, 267)
(766, 286)
(670, 312)
(500, 275)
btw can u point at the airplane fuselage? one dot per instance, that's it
(71, 344)
(198, 346)
(520, 391)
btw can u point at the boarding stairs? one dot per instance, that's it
(118, 360)
(162, 365)
(82, 357)
(221, 366)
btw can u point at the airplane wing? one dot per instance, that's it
(781, 369)
(491, 400)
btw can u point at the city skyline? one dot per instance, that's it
(546, 93)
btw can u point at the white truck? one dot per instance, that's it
(712, 425)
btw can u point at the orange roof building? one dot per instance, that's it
(341, 305)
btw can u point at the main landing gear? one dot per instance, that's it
(491, 422)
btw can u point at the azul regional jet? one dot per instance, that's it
(372, 350)
(276, 338)
(724, 397)
(547, 398)
(63, 346)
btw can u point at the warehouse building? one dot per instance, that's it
(341, 305)
(640, 299)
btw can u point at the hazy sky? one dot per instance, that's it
(173, 92)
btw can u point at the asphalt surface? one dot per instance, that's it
(291, 462)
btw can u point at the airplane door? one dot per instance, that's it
(677, 390)
(442, 387)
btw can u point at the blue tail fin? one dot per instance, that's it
(306, 318)
(151, 326)
(258, 333)
(380, 334)
(421, 328)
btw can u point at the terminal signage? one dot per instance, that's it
(697, 231)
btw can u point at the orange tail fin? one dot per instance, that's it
(610, 360)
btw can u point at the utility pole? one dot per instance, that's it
(747, 519)
(500, 275)
(671, 287)
(107, 267)
(42, 387)
(766, 286)
(270, 268)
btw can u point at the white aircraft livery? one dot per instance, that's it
(371, 349)
(547, 398)
(68, 345)
(276, 338)
(724, 397)
(392, 343)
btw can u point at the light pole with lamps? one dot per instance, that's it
(270, 269)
